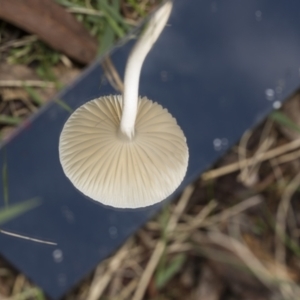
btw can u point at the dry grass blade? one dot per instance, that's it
(198, 220)
(100, 282)
(180, 207)
(112, 75)
(20, 42)
(262, 270)
(242, 154)
(210, 286)
(281, 217)
(150, 268)
(179, 247)
(265, 142)
(18, 284)
(127, 290)
(249, 173)
(232, 211)
(85, 11)
(277, 172)
(244, 253)
(247, 162)
(160, 246)
(30, 83)
(184, 231)
(288, 157)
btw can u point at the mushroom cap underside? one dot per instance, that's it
(119, 172)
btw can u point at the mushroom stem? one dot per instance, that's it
(134, 65)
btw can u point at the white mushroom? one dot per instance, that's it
(126, 151)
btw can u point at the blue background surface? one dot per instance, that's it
(218, 68)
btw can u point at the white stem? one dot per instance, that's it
(134, 65)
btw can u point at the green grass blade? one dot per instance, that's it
(110, 20)
(45, 72)
(15, 210)
(34, 95)
(114, 13)
(30, 293)
(116, 5)
(64, 105)
(107, 39)
(282, 119)
(165, 275)
(294, 247)
(137, 8)
(9, 120)
(39, 295)
(66, 3)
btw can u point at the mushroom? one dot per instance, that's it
(126, 151)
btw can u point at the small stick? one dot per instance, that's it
(27, 238)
